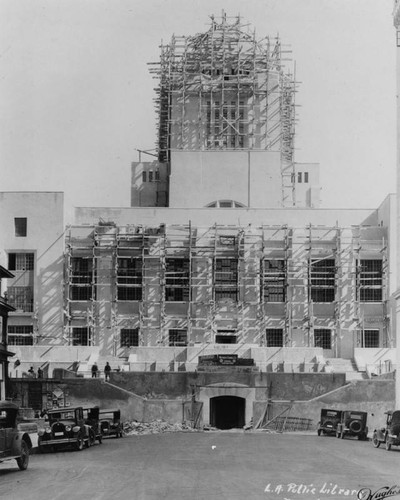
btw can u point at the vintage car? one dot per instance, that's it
(390, 434)
(352, 423)
(91, 417)
(65, 427)
(15, 442)
(110, 423)
(328, 421)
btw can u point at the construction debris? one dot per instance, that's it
(155, 427)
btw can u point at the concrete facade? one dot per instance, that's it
(32, 247)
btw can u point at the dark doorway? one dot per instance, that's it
(227, 412)
(225, 339)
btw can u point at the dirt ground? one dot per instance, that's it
(207, 465)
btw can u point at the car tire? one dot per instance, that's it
(23, 460)
(79, 444)
(375, 441)
(355, 426)
(388, 445)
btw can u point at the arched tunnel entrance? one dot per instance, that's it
(227, 412)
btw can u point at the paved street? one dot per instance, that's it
(208, 465)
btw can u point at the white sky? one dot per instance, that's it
(76, 94)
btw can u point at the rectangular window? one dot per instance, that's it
(299, 177)
(81, 278)
(21, 297)
(274, 337)
(306, 177)
(20, 261)
(157, 175)
(144, 176)
(322, 275)
(225, 280)
(177, 337)
(225, 124)
(130, 337)
(20, 225)
(370, 280)
(273, 280)
(80, 336)
(20, 335)
(225, 339)
(151, 178)
(129, 278)
(370, 338)
(176, 280)
(322, 338)
(398, 38)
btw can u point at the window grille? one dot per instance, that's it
(129, 337)
(80, 336)
(20, 335)
(370, 280)
(176, 280)
(226, 275)
(273, 280)
(274, 337)
(322, 286)
(323, 338)
(370, 338)
(21, 297)
(21, 261)
(129, 278)
(81, 278)
(177, 337)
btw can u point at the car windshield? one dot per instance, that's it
(396, 416)
(65, 415)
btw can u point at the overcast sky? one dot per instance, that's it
(76, 96)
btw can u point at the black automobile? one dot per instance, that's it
(91, 417)
(15, 442)
(390, 434)
(353, 423)
(328, 421)
(110, 423)
(65, 427)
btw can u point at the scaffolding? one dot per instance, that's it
(226, 90)
(225, 282)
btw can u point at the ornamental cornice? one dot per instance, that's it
(396, 13)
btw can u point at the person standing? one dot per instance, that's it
(107, 370)
(94, 370)
(40, 373)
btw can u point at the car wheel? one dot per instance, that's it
(375, 440)
(79, 444)
(388, 445)
(23, 460)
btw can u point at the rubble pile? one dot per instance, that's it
(155, 427)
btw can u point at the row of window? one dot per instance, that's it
(129, 337)
(301, 177)
(151, 175)
(273, 280)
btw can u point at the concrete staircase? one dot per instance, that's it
(347, 366)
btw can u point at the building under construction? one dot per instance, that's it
(224, 249)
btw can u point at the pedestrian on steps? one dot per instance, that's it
(94, 370)
(107, 370)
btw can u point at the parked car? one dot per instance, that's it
(91, 416)
(15, 442)
(65, 427)
(352, 423)
(390, 434)
(328, 421)
(110, 423)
